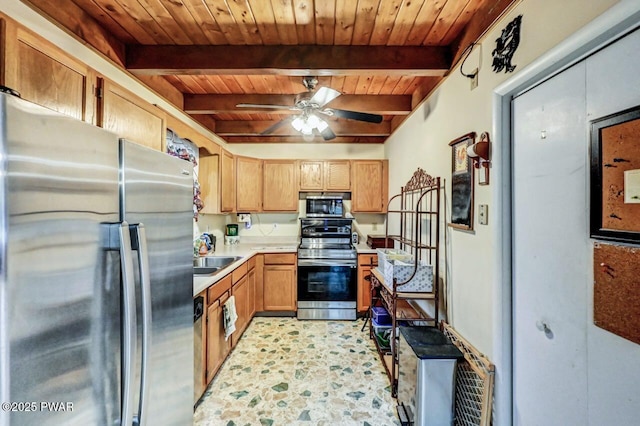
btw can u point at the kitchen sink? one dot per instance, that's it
(209, 265)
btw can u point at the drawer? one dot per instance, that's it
(251, 263)
(368, 260)
(216, 290)
(280, 259)
(239, 272)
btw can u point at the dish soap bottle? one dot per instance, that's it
(202, 250)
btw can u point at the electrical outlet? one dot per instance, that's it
(474, 80)
(483, 214)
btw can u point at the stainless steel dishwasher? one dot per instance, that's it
(198, 362)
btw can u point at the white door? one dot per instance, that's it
(550, 252)
(566, 371)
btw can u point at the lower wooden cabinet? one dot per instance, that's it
(252, 283)
(265, 282)
(217, 347)
(366, 262)
(240, 291)
(280, 283)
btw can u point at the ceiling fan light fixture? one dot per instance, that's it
(298, 123)
(313, 121)
(322, 125)
(306, 123)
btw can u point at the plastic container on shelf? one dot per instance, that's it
(422, 281)
(386, 256)
(380, 315)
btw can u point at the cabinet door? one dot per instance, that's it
(311, 176)
(227, 182)
(241, 293)
(366, 262)
(280, 185)
(209, 178)
(369, 181)
(364, 288)
(337, 175)
(217, 347)
(279, 288)
(45, 75)
(248, 184)
(130, 117)
(251, 278)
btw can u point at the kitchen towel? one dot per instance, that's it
(230, 316)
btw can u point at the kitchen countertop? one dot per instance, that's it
(245, 251)
(248, 249)
(363, 248)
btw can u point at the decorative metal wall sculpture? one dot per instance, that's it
(506, 46)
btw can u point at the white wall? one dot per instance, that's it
(454, 110)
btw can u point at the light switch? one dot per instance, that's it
(483, 214)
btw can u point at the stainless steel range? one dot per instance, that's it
(327, 269)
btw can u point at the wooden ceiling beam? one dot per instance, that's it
(296, 60)
(220, 104)
(226, 128)
(299, 139)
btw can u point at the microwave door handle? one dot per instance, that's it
(139, 240)
(129, 322)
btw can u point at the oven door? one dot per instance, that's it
(326, 280)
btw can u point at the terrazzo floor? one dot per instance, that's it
(289, 372)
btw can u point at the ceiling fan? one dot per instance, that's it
(310, 104)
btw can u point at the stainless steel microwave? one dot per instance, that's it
(325, 206)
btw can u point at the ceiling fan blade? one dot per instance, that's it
(276, 126)
(287, 107)
(354, 115)
(328, 134)
(323, 96)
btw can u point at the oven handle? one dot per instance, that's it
(327, 262)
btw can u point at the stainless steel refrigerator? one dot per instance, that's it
(96, 281)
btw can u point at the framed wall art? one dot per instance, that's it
(462, 183)
(615, 177)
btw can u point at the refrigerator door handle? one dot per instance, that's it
(139, 243)
(129, 323)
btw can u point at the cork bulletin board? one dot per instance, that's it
(615, 176)
(616, 291)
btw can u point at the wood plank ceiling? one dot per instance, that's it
(207, 56)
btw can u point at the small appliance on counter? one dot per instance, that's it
(231, 236)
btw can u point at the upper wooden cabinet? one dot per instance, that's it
(280, 189)
(209, 178)
(227, 182)
(46, 75)
(248, 184)
(131, 117)
(337, 175)
(329, 175)
(311, 176)
(369, 186)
